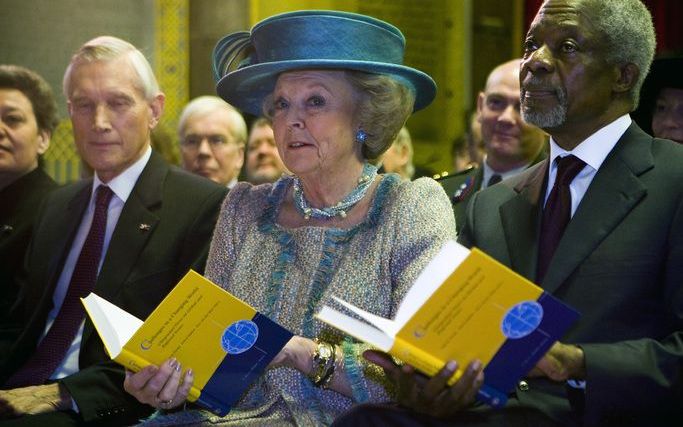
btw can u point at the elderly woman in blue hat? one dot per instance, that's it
(335, 88)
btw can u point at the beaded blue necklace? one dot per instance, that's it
(366, 177)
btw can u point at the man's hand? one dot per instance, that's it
(561, 363)
(34, 400)
(431, 396)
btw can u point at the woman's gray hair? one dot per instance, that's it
(629, 34)
(384, 106)
(107, 48)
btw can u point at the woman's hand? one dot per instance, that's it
(160, 387)
(295, 354)
(431, 396)
(298, 354)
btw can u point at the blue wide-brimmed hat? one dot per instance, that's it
(311, 39)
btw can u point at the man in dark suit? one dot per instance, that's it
(619, 260)
(511, 144)
(154, 223)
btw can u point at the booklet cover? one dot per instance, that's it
(225, 341)
(463, 306)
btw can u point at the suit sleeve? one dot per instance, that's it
(197, 241)
(643, 376)
(465, 236)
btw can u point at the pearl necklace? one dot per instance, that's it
(367, 176)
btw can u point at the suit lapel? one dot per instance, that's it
(64, 227)
(66, 216)
(520, 218)
(614, 192)
(134, 228)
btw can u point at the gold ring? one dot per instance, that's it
(398, 362)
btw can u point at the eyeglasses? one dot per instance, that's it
(193, 142)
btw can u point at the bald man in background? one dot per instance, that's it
(511, 144)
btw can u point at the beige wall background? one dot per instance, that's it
(455, 41)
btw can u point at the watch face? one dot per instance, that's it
(324, 351)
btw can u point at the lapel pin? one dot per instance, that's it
(144, 227)
(463, 190)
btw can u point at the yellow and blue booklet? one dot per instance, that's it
(463, 306)
(226, 342)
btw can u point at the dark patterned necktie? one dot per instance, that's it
(52, 349)
(495, 179)
(557, 212)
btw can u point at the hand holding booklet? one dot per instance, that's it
(226, 342)
(464, 306)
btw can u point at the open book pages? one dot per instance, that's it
(464, 306)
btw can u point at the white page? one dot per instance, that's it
(356, 328)
(439, 268)
(387, 326)
(114, 325)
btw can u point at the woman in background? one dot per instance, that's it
(28, 116)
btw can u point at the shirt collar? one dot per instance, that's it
(594, 149)
(489, 171)
(122, 185)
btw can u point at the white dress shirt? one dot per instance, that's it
(122, 186)
(593, 151)
(489, 172)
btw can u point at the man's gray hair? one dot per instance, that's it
(208, 104)
(630, 35)
(107, 48)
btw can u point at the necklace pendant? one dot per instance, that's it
(307, 213)
(342, 214)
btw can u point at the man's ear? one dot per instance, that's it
(480, 104)
(156, 105)
(43, 141)
(240, 157)
(626, 77)
(405, 154)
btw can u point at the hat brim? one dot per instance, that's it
(247, 87)
(664, 73)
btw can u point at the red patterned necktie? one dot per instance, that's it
(52, 349)
(557, 212)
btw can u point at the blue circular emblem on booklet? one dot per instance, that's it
(239, 337)
(522, 319)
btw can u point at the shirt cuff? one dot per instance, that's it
(577, 384)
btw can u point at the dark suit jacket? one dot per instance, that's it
(462, 185)
(19, 203)
(139, 269)
(619, 263)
